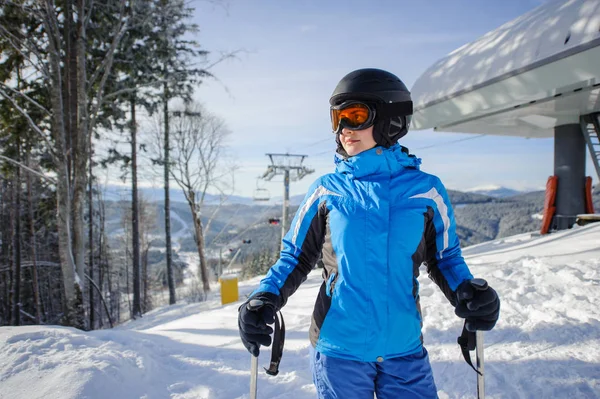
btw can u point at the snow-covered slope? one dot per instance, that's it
(546, 344)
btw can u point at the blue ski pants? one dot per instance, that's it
(407, 377)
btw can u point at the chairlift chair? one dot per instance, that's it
(261, 194)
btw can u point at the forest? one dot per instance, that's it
(78, 80)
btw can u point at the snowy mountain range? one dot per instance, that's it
(496, 191)
(153, 194)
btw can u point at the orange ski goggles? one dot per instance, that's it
(354, 115)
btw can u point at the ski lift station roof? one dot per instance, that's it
(536, 72)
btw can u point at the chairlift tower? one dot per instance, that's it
(290, 166)
(535, 76)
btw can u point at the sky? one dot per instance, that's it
(274, 94)
(546, 343)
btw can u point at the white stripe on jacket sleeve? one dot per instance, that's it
(319, 192)
(442, 209)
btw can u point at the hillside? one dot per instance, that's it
(489, 220)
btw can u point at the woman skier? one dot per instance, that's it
(374, 222)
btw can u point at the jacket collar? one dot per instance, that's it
(377, 161)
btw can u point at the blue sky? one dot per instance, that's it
(274, 95)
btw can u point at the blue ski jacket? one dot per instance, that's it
(374, 222)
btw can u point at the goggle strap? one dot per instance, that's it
(389, 110)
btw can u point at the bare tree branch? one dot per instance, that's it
(197, 138)
(39, 66)
(86, 18)
(25, 96)
(35, 172)
(174, 77)
(107, 67)
(30, 121)
(108, 59)
(51, 24)
(224, 57)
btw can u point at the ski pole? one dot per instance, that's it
(254, 377)
(480, 375)
(479, 284)
(470, 340)
(254, 305)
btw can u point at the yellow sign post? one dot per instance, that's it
(229, 289)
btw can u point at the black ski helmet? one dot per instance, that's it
(389, 96)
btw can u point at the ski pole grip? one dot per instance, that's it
(255, 304)
(479, 284)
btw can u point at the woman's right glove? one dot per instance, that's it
(478, 303)
(253, 317)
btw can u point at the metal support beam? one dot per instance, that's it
(290, 166)
(590, 125)
(286, 204)
(569, 167)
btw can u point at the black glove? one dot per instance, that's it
(478, 303)
(253, 317)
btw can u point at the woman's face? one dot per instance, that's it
(357, 141)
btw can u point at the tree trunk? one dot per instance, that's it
(35, 283)
(17, 247)
(73, 312)
(5, 310)
(11, 266)
(80, 150)
(172, 298)
(109, 287)
(145, 278)
(127, 283)
(63, 210)
(69, 87)
(101, 271)
(91, 236)
(145, 247)
(202, 269)
(4, 252)
(135, 234)
(64, 243)
(49, 301)
(93, 285)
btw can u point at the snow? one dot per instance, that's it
(546, 343)
(487, 187)
(184, 231)
(535, 36)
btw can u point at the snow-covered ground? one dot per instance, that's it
(546, 344)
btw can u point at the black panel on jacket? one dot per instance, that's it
(434, 271)
(309, 254)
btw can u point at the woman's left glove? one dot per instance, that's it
(478, 303)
